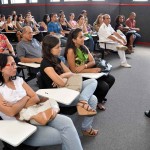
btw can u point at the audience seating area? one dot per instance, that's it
(24, 71)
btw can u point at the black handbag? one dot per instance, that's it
(103, 64)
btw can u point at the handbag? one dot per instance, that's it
(74, 82)
(41, 113)
(103, 64)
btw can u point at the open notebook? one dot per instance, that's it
(15, 132)
(61, 95)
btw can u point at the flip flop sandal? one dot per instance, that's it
(101, 107)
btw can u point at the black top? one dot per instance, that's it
(118, 25)
(47, 81)
(65, 27)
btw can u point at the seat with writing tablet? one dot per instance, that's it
(20, 147)
(63, 110)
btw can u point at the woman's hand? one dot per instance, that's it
(54, 84)
(80, 68)
(121, 42)
(43, 99)
(7, 104)
(66, 75)
(96, 70)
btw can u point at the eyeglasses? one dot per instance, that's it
(13, 64)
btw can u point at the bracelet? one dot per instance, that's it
(86, 66)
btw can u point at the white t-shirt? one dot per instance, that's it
(104, 32)
(11, 95)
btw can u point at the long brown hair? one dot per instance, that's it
(48, 43)
(70, 44)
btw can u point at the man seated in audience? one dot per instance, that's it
(54, 28)
(107, 34)
(29, 50)
(29, 21)
(131, 23)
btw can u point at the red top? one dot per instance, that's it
(130, 23)
(3, 44)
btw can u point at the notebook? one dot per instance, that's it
(15, 132)
(61, 95)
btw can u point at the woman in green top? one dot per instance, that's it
(80, 60)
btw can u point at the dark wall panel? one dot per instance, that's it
(93, 11)
(112, 7)
(37, 11)
(142, 19)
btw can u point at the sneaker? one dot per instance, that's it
(126, 65)
(147, 113)
(122, 47)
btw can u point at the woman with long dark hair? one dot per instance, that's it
(120, 25)
(55, 74)
(44, 22)
(80, 60)
(15, 95)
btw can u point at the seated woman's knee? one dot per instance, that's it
(103, 86)
(93, 102)
(94, 82)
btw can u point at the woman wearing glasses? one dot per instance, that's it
(15, 95)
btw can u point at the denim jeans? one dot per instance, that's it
(88, 88)
(137, 36)
(61, 130)
(63, 41)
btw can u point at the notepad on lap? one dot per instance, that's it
(15, 132)
(61, 95)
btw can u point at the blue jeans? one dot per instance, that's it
(58, 131)
(137, 36)
(88, 88)
(63, 41)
